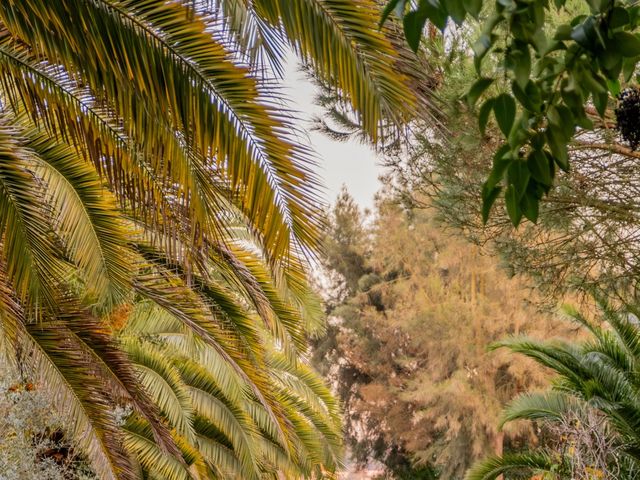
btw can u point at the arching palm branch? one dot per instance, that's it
(597, 376)
(144, 159)
(169, 114)
(230, 312)
(214, 409)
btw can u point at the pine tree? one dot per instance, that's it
(420, 391)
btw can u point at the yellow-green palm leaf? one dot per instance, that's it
(147, 163)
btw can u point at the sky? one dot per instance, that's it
(349, 163)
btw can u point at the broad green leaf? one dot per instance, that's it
(456, 10)
(610, 58)
(601, 101)
(522, 66)
(592, 81)
(539, 167)
(489, 196)
(518, 175)
(504, 108)
(597, 6)
(530, 206)
(501, 161)
(563, 32)
(477, 89)
(483, 115)
(584, 33)
(619, 17)
(584, 122)
(558, 146)
(613, 86)
(473, 7)
(524, 99)
(413, 23)
(513, 205)
(561, 120)
(435, 12)
(390, 7)
(535, 97)
(629, 68)
(519, 133)
(627, 44)
(538, 141)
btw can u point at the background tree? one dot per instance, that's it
(587, 227)
(407, 343)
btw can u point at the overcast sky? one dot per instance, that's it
(348, 163)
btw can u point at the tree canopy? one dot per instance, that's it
(411, 312)
(541, 81)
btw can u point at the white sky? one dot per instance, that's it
(349, 163)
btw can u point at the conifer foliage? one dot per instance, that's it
(411, 314)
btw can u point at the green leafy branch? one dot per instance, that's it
(546, 79)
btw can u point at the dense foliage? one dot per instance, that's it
(557, 80)
(222, 428)
(33, 442)
(587, 232)
(157, 212)
(411, 313)
(547, 80)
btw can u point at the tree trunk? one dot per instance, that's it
(498, 447)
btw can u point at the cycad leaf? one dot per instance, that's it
(528, 462)
(549, 406)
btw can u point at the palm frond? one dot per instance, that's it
(78, 396)
(85, 216)
(529, 462)
(548, 406)
(341, 41)
(215, 105)
(218, 454)
(144, 159)
(234, 425)
(311, 381)
(32, 263)
(139, 440)
(168, 291)
(163, 382)
(559, 356)
(69, 111)
(595, 377)
(263, 47)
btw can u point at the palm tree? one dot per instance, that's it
(597, 379)
(146, 159)
(205, 405)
